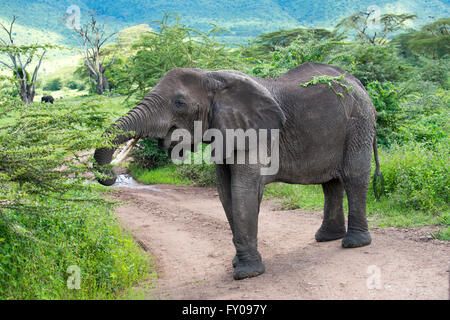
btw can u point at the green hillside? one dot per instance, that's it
(245, 19)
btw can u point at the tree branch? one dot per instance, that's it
(7, 65)
(9, 32)
(37, 68)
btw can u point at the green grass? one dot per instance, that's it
(34, 263)
(381, 212)
(163, 175)
(295, 196)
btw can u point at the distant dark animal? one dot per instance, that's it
(48, 99)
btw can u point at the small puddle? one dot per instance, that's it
(127, 181)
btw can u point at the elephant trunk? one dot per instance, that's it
(147, 119)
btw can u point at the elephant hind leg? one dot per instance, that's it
(333, 224)
(356, 180)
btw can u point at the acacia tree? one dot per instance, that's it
(18, 58)
(94, 38)
(362, 23)
(433, 38)
(173, 45)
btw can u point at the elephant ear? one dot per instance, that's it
(241, 103)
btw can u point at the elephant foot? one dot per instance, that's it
(329, 235)
(248, 269)
(235, 261)
(355, 239)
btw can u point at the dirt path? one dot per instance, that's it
(186, 229)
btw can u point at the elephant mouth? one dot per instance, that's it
(124, 152)
(168, 144)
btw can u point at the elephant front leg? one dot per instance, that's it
(223, 177)
(245, 196)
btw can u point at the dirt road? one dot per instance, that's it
(186, 229)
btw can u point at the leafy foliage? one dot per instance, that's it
(148, 155)
(173, 45)
(432, 39)
(54, 84)
(418, 179)
(269, 42)
(372, 28)
(50, 218)
(385, 100)
(371, 63)
(284, 58)
(200, 171)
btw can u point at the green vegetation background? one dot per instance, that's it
(50, 218)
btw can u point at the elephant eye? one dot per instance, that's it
(179, 103)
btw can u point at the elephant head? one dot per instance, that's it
(220, 99)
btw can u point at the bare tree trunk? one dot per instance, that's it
(94, 38)
(105, 83)
(99, 85)
(25, 86)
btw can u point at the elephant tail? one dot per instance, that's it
(378, 192)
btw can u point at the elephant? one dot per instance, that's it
(48, 99)
(326, 131)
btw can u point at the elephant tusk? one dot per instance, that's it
(125, 151)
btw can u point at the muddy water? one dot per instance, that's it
(127, 181)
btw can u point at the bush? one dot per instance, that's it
(384, 97)
(417, 177)
(86, 235)
(202, 174)
(425, 114)
(148, 155)
(75, 85)
(50, 218)
(53, 85)
(436, 71)
(371, 62)
(293, 55)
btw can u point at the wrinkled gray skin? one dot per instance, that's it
(324, 139)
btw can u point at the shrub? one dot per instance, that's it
(148, 155)
(384, 97)
(75, 85)
(53, 85)
(436, 71)
(417, 177)
(81, 86)
(296, 53)
(371, 62)
(50, 218)
(202, 174)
